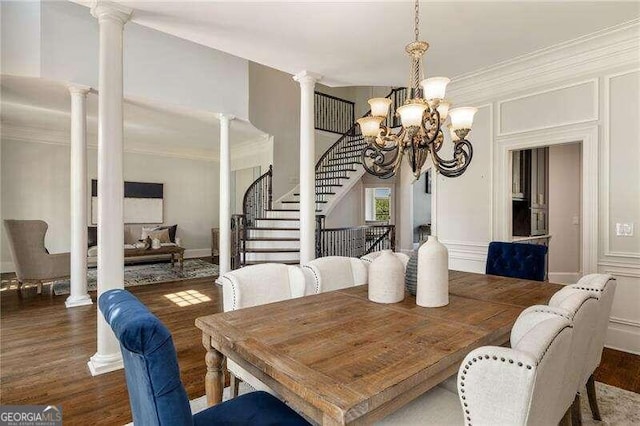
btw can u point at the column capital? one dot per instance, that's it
(225, 117)
(78, 89)
(104, 9)
(307, 77)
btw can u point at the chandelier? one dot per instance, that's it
(423, 115)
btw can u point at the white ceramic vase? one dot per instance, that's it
(155, 244)
(386, 278)
(433, 274)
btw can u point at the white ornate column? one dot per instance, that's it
(225, 194)
(307, 82)
(111, 18)
(78, 295)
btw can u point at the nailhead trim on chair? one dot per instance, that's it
(465, 370)
(233, 289)
(547, 311)
(315, 277)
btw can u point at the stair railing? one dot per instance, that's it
(258, 198)
(335, 154)
(355, 241)
(333, 114)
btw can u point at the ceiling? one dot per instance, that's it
(362, 43)
(34, 103)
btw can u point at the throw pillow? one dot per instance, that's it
(146, 230)
(172, 231)
(161, 234)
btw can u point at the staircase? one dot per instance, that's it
(264, 233)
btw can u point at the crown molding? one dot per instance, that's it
(59, 137)
(611, 48)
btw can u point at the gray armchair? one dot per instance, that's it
(32, 261)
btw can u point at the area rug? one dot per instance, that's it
(618, 407)
(153, 273)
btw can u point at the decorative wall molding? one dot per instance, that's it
(57, 137)
(606, 166)
(599, 52)
(594, 117)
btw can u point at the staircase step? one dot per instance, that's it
(343, 160)
(276, 223)
(273, 250)
(332, 177)
(255, 232)
(330, 185)
(324, 172)
(297, 194)
(261, 262)
(273, 256)
(275, 243)
(298, 201)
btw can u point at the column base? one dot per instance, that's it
(73, 301)
(100, 364)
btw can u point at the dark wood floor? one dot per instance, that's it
(45, 347)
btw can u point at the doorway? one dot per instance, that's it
(546, 205)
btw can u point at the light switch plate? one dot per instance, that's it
(624, 229)
(575, 220)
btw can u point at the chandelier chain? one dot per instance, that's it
(416, 28)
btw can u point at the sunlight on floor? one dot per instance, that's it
(187, 297)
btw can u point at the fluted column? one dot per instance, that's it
(111, 18)
(307, 82)
(78, 294)
(225, 194)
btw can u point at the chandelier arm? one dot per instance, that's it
(462, 153)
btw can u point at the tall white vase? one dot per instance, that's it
(386, 278)
(433, 274)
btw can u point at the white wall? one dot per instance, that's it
(58, 40)
(20, 38)
(565, 177)
(35, 185)
(349, 211)
(589, 87)
(421, 205)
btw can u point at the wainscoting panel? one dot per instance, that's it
(467, 256)
(574, 103)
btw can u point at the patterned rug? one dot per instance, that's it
(617, 407)
(149, 274)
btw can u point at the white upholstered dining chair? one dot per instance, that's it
(518, 385)
(334, 273)
(258, 285)
(581, 308)
(603, 288)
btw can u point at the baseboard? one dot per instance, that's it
(7, 267)
(564, 277)
(623, 335)
(202, 252)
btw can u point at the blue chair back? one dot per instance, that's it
(156, 393)
(517, 260)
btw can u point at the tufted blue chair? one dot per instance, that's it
(517, 260)
(156, 393)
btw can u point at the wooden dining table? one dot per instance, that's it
(339, 358)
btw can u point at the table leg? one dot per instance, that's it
(181, 261)
(213, 380)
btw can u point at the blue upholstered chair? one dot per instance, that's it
(517, 260)
(156, 393)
